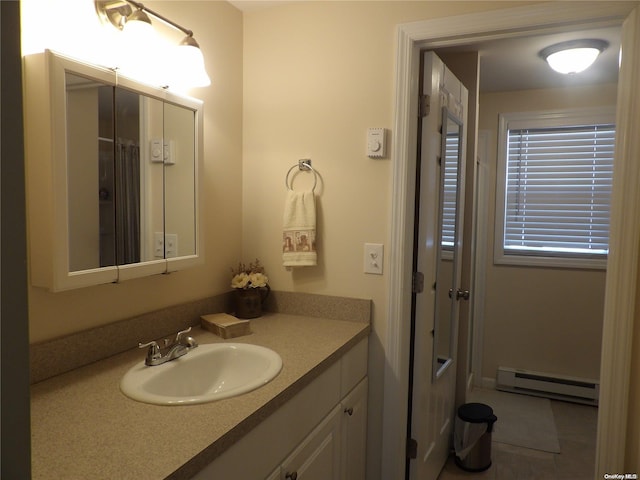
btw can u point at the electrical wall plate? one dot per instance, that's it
(376, 142)
(373, 258)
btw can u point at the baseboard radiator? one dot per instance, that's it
(558, 387)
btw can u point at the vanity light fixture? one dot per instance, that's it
(121, 15)
(138, 24)
(573, 56)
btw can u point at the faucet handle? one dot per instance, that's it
(180, 333)
(188, 341)
(154, 348)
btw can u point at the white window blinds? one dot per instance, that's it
(450, 190)
(558, 187)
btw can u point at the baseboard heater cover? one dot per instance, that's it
(558, 387)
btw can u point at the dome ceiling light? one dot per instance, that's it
(573, 56)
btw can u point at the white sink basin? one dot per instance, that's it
(205, 374)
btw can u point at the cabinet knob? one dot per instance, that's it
(349, 411)
(291, 476)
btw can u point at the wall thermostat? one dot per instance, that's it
(376, 147)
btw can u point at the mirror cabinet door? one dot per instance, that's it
(445, 310)
(180, 180)
(139, 177)
(90, 182)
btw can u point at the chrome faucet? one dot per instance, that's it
(180, 346)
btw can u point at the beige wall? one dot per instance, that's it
(542, 319)
(316, 76)
(218, 29)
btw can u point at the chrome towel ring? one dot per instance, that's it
(304, 164)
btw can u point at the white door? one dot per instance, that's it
(437, 251)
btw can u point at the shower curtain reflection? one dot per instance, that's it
(127, 187)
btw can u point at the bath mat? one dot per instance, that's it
(523, 420)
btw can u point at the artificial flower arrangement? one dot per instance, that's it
(252, 276)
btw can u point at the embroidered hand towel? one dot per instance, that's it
(299, 232)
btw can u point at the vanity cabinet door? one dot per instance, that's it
(354, 433)
(318, 456)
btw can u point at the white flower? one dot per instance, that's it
(240, 280)
(258, 280)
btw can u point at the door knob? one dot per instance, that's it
(291, 476)
(462, 294)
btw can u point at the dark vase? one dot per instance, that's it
(248, 301)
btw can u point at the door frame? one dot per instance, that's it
(622, 270)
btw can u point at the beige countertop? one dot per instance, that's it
(83, 427)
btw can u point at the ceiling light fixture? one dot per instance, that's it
(573, 56)
(120, 14)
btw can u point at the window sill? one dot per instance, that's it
(550, 261)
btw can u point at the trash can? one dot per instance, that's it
(472, 436)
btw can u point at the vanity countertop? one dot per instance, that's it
(82, 426)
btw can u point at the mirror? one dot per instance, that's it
(179, 188)
(131, 175)
(445, 309)
(90, 177)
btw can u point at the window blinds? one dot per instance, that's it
(558, 188)
(450, 190)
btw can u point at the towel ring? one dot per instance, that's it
(304, 164)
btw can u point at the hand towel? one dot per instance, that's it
(299, 231)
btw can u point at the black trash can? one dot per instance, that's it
(472, 441)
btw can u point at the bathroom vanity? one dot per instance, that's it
(310, 418)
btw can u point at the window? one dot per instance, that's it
(555, 172)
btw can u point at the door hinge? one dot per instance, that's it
(424, 105)
(412, 448)
(417, 282)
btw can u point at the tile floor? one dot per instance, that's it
(576, 426)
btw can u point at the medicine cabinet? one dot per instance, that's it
(113, 166)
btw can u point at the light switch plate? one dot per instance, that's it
(373, 258)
